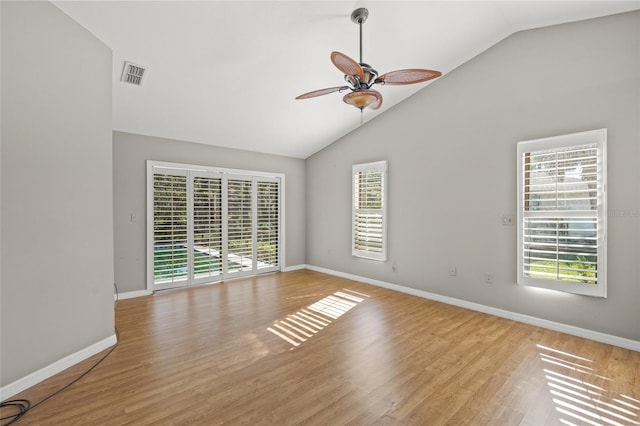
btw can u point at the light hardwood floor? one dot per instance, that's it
(308, 348)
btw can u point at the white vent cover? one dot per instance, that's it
(133, 74)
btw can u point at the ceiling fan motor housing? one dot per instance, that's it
(369, 78)
(370, 74)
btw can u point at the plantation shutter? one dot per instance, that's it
(239, 225)
(207, 227)
(207, 224)
(268, 233)
(562, 215)
(369, 210)
(170, 227)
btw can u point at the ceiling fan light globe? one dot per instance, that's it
(360, 98)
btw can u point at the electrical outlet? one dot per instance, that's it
(488, 278)
(452, 271)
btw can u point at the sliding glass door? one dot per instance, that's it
(170, 236)
(205, 225)
(268, 219)
(240, 236)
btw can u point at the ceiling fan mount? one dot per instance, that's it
(360, 77)
(360, 15)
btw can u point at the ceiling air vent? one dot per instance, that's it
(133, 74)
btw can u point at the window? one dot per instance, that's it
(207, 224)
(369, 218)
(562, 222)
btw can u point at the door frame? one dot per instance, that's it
(226, 173)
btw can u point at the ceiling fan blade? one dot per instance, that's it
(347, 65)
(409, 76)
(321, 92)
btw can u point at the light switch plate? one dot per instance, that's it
(507, 219)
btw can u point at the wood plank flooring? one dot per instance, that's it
(308, 348)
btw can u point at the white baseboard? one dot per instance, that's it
(132, 294)
(294, 268)
(539, 322)
(44, 373)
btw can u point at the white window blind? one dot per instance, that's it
(369, 210)
(239, 225)
(170, 227)
(206, 224)
(562, 213)
(207, 227)
(268, 224)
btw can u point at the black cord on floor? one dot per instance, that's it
(23, 406)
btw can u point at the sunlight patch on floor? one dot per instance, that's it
(577, 397)
(300, 326)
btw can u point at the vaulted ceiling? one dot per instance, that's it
(226, 73)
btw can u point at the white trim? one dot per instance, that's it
(133, 294)
(200, 168)
(62, 364)
(254, 224)
(149, 235)
(295, 268)
(281, 229)
(539, 322)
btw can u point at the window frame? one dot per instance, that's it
(593, 137)
(380, 166)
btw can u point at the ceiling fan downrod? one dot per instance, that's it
(359, 16)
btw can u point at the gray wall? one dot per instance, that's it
(452, 171)
(57, 208)
(130, 153)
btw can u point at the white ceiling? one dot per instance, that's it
(226, 73)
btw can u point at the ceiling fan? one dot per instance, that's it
(360, 77)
